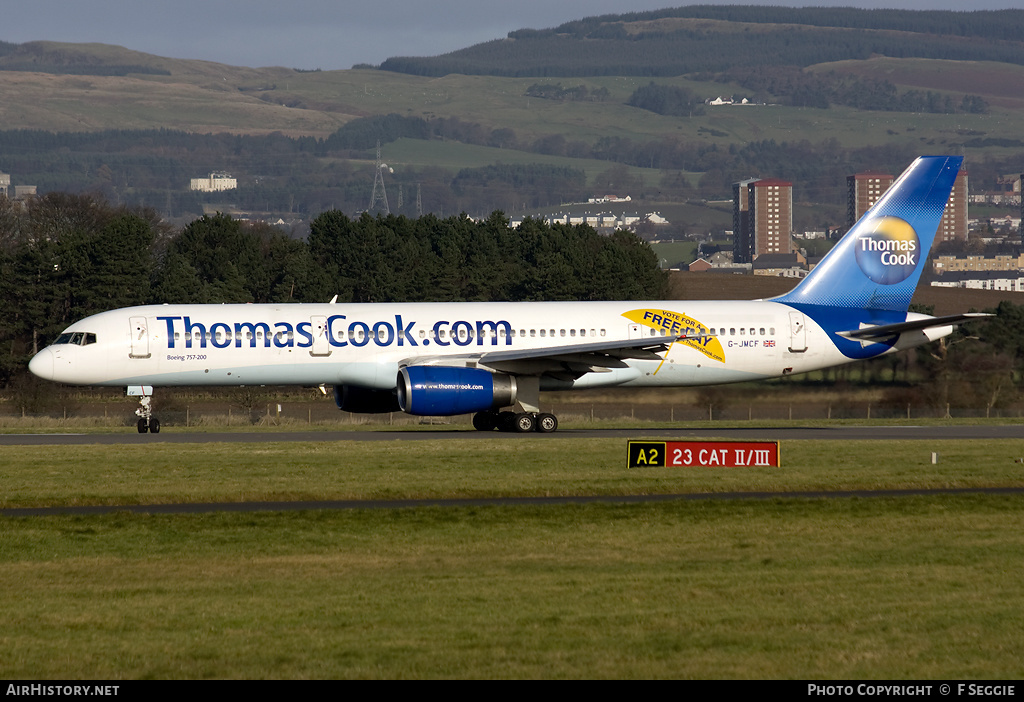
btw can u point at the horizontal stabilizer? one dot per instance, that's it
(884, 331)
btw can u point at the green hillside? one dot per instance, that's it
(136, 127)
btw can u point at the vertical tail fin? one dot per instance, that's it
(877, 264)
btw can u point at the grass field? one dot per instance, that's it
(207, 97)
(913, 588)
(503, 466)
(916, 587)
(420, 153)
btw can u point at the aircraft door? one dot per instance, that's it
(321, 344)
(140, 338)
(637, 331)
(797, 332)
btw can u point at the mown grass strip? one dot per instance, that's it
(919, 587)
(36, 476)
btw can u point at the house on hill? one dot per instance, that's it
(785, 265)
(699, 266)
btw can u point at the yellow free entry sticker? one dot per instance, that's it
(669, 322)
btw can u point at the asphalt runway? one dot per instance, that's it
(838, 433)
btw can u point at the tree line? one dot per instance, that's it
(305, 175)
(636, 45)
(65, 256)
(1002, 24)
(578, 93)
(794, 86)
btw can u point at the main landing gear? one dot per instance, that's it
(528, 418)
(520, 422)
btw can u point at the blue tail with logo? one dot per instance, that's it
(869, 277)
(877, 264)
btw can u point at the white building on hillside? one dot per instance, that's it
(216, 183)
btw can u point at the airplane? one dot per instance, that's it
(493, 359)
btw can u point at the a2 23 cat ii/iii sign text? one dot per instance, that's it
(719, 454)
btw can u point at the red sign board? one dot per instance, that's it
(704, 454)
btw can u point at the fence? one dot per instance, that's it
(298, 413)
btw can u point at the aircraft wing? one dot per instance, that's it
(883, 331)
(564, 362)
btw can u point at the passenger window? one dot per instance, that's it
(732, 331)
(542, 332)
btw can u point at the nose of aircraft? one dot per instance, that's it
(42, 364)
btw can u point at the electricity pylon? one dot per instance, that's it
(379, 194)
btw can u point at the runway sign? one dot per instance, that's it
(721, 454)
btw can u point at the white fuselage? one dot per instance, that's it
(366, 344)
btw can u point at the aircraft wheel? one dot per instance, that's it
(143, 426)
(546, 423)
(524, 423)
(154, 425)
(506, 421)
(485, 421)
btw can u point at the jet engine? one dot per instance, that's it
(354, 398)
(443, 391)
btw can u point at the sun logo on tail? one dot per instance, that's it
(888, 250)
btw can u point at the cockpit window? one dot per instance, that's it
(76, 338)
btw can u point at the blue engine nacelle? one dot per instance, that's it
(442, 391)
(353, 398)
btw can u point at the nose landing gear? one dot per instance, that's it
(147, 422)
